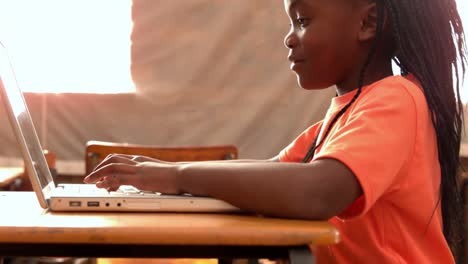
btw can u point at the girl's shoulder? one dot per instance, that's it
(396, 85)
(406, 90)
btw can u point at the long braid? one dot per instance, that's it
(429, 40)
(310, 153)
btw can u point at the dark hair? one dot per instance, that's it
(429, 43)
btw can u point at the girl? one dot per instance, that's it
(382, 165)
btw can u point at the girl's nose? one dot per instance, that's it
(290, 40)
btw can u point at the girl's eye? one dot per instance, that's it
(302, 21)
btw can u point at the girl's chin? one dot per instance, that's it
(312, 85)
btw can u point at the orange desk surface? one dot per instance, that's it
(23, 221)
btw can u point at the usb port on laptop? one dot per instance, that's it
(93, 204)
(74, 203)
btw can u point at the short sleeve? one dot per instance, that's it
(375, 140)
(297, 149)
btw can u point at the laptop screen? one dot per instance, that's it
(23, 127)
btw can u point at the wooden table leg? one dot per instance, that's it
(301, 255)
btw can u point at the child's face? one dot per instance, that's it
(323, 43)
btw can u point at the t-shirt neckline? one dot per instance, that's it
(342, 100)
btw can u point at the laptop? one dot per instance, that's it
(82, 197)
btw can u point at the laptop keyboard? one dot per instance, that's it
(132, 191)
(91, 189)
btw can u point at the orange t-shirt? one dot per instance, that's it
(387, 139)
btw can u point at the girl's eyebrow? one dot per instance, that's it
(294, 3)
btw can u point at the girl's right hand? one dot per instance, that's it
(141, 172)
(126, 159)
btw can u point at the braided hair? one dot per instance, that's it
(429, 42)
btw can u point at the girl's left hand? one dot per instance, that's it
(119, 170)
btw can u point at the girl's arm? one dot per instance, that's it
(317, 190)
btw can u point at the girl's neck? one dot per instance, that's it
(377, 70)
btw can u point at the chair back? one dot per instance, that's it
(96, 151)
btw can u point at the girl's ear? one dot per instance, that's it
(368, 26)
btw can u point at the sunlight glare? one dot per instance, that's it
(69, 46)
(9, 84)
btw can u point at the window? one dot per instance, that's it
(69, 46)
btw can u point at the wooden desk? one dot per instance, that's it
(28, 230)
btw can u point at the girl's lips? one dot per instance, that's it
(296, 64)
